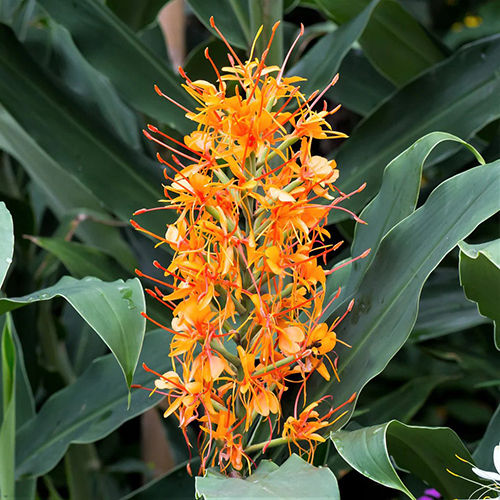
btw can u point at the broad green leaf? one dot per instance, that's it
(395, 201)
(83, 146)
(480, 277)
(111, 309)
(426, 452)
(294, 479)
(113, 49)
(444, 98)
(92, 87)
(81, 260)
(443, 308)
(360, 88)
(63, 190)
(6, 241)
(400, 404)
(8, 421)
(77, 466)
(136, 14)
(386, 303)
(25, 404)
(483, 454)
(65, 194)
(232, 17)
(87, 410)
(322, 62)
(391, 30)
(479, 365)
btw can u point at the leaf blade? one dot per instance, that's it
(388, 298)
(84, 413)
(113, 48)
(6, 241)
(468, 103)
(480, 277)
(111, 309)
(294, 479)
(424, 451)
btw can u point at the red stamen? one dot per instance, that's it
(223, 38)
(159, 92)
(290, 50)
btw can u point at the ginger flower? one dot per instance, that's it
(245, 283)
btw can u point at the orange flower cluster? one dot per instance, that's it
(245, 285)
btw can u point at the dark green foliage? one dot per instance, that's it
(76, 87)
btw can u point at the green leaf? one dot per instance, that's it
(81, 260)
(424, 451)
(482, 366)
(402, 403)
(444, 98)
(386, 303)
(25, 404)
(24, 401)
(87, 410)
(483, 454)
(6, 241)
(443, 307)
(8, 422)
(322, 62)
(91, 86)
(65, 194)
(294, 479)
(113, 49)
(136, 14)
(230, 16)
(480, 277)
(63, 190)
(111, 309)
(395, 201)
(83, 146)
(391, 30)
(360, 88)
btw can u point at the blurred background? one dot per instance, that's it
(76, 89)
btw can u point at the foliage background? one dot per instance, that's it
(76, 82)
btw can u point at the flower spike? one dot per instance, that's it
(246, 284)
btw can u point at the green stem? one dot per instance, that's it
(268, 444)
(266, 157)
(222, 350)
(80, 461)
(272, 367)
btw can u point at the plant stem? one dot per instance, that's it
(278, 364)
(222, 350)
(267, 444)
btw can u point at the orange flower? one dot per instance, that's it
(245, 285)
(308, 425)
